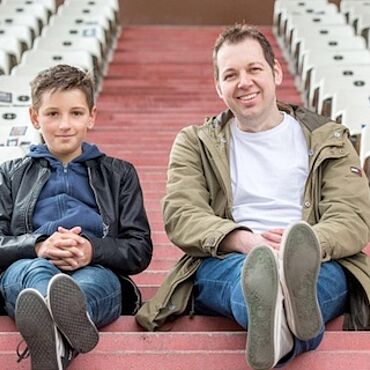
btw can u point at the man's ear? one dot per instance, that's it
(218, 89)
(34, 117)
(278, 73)
(92, 118)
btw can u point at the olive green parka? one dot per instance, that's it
(198, 202)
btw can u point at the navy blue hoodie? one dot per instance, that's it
(67, 198)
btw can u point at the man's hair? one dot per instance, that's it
(62, 77)
(238, 33)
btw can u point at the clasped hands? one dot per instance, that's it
(66, 249)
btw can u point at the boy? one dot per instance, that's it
(72, 227)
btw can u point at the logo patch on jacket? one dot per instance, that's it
(357, 171)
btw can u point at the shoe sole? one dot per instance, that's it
(301, 267)
(68, 307)
(260, 282)
(36, 326)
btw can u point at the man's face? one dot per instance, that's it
(63, 118)
(247, 84)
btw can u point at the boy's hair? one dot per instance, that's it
(60, 78)
(238, 33)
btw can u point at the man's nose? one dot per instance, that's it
(244, 80)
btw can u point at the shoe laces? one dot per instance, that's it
(22, 354)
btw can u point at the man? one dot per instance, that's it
(269, 204)
(72, 227)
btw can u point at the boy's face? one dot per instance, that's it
(63, 119)
(247, 83)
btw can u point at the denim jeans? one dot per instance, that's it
(218, 291)
(100, 285)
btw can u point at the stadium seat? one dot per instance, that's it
(343, 57)
(16, 128)
(65, 43)
(79, 27)
(21, 19)
(37, 11)
(317, 32)
(345, 100)
(15, 91)
(314, 45)
(365, 145)
(282, 9)
(351, 72)
(332, 86)
(11, 152)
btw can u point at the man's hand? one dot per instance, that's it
(273, 237)
(66, 249)
(244, 241)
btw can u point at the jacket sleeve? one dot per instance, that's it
(189, 214)
(128, 250)
(344, 206)
(12, 247)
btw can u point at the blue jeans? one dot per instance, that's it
(218, 291)
(100, 285)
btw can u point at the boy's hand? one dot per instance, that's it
(66, 249)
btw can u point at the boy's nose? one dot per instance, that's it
(64, 123)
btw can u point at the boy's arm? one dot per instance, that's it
(130, 251)
(12, 248)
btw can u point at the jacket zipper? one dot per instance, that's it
(35, 195)
(105, 225)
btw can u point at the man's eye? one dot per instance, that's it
(256, 69)
(229, 77)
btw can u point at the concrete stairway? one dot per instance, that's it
(160, 80)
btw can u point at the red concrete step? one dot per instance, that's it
(196, 323)
(200, 341)
(198, 359)
(154, 277)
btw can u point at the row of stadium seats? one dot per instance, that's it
(327, 49)
(35, 35)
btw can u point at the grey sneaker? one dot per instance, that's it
(45, 345)
(68, 307)
(268, 336)
(300, 257)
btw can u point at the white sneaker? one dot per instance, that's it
(300, 257)
(268, 336)
(68, 307)
(45, 345)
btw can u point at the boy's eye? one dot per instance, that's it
(52, 114)
(77, 113)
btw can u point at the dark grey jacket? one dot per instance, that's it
(126, 247)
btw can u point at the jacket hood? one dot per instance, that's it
(89, 151)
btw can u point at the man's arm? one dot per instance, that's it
(344, 225)
(243, 241)
(190, 221)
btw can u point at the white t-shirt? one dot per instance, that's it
(268, 175)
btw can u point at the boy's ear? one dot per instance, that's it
(34, 117)
(92, 118)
